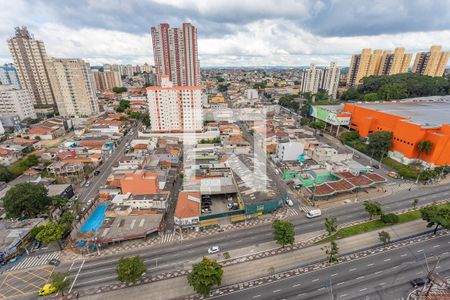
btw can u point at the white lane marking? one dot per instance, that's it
(340, 283)
(75, 279)
(369, 265)
(256, 296)
(435, 246)
(419, 272)
(420, 250)
(387, 259)
(317, 279)
(299, 295)
(362, 290)
(351, 270)
(276, 291)
(297, 284)
(360, 277)
(335, 274)
(378, 272)
(383, 283)
(403, 255)
(322, 288)
(343, 295)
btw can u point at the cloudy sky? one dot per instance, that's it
(231, 32)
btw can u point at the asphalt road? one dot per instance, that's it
(166, 257)
(381, 276)
(87, 193)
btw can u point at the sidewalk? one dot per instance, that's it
(258, 268)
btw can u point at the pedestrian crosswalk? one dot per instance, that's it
(292, 212)
(168, 237)
(35, 261)
(306, 208)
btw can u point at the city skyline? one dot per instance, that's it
(231, 33)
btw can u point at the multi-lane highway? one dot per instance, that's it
(381, 276)
(98, 271)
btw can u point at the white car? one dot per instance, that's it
(314, 213)
(213, 249)
(88, 183)
(289, 202)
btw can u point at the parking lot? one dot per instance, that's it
(24, 283)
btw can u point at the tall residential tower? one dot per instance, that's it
(29, 58)
(431, 63)
(176, 55)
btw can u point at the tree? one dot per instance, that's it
(5, 174)
(51, 232)
(123, 106)
(370, 97)
(384, 237)
(392, 91)
(205, 275)
(130, 269)
(61, 281)
(415, 202)
(146, 119)
(331, 251)
(380, 142)
(436, 215)
(119, 90)
(283, 232)
(330, 225)
(373, 208)
(390, 218)
(26, 200)
(424, 146)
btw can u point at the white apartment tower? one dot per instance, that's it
(176, 54)
(15, 101)
(327, 79)
(175, 108)
(29, 58)
(72, 86)
(330, 80)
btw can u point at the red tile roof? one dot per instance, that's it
(187, 207)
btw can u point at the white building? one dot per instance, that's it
(251, 94)
(2, 130)
(175, 109)
(15, 101)
(72, 86)
(327, 79)
(290, 150)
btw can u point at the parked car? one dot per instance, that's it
(356, 155)
(89, 202)
(213, 249)
(417, 282)
(47, 289)
(375, 166)
(369, 168)
(88, 183)
(54, 262)
(96, 173)
(394, 175)
(289, 202)
(313, 213)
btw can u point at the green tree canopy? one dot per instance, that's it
(26, 199)
(424, 146)
(123, 106)
(130, 269)
(373, 208)
(51, 232)
(119, 90)
(290, 102)
(331, 251)
(436, 216)
(331, 225)
(61, 281)
(379, 143)
(205, 275)
(390, 218)
(384, 237)
(283, 232)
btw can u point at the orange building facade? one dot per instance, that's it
(406, 134)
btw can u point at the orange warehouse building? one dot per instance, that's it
(410, 122)
(140, 183)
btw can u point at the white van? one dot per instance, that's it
(314, 213)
